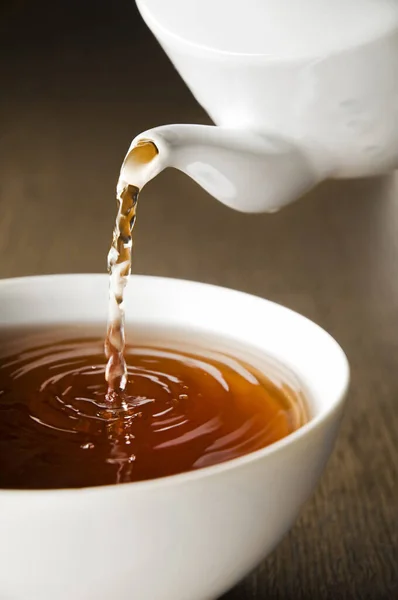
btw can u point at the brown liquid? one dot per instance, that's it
(119, 267)
(181, 410)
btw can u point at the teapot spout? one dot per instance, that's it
(244, 170)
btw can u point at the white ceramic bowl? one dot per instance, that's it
(189, 536)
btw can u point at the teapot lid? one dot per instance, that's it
(279, 28)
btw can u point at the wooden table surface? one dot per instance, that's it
(76, 86)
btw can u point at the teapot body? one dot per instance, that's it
(339, 101)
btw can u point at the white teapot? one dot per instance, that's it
(299, 90)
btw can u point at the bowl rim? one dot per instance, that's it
(219, 468)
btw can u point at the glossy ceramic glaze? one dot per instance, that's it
(188, 536)
(309, 90)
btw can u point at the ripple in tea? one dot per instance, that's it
(182, 409)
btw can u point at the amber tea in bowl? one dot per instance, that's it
(184, 407)
(228, 418)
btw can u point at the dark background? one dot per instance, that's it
(78, 81)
